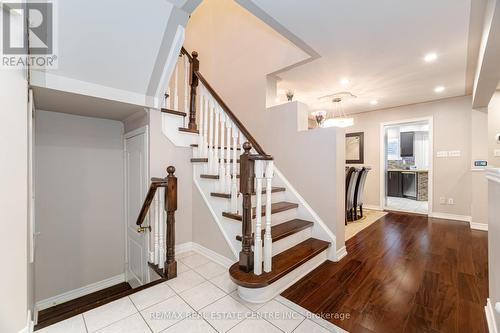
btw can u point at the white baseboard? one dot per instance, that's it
(212, 255)
(490, 317)
(341, 253)
(446, 216)
(373, 207)
(29, 324)
(85, 290)
(479, 226)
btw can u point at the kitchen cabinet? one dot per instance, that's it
(409, 185)
(406, 142)
(394, 184)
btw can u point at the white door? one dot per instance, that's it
(136, 173)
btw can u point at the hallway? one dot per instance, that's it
(405, 273)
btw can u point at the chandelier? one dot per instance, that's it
(337, 117)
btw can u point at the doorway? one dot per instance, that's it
(136, 185)
(406, 166)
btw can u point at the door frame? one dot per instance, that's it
(141, 130)
(430, 190)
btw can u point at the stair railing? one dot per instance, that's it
(161, 203)
(220, 136)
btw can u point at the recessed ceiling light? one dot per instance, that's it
(430, 57)
(344, 82)
(439, 89)
(373, 102)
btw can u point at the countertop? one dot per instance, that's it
(413, 170)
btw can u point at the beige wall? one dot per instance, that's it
(13, 200)
(494, 128)
(452, 131)
(79, 208)
(163, 153)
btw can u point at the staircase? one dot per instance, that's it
(275, 234)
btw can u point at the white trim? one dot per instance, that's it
(446, 216)
(490, 317)
(29, 328)
(79, 292)
(430, 189)
(200, 249)
(373, 207)
(341, 253)
(309, 315)
(493, 175)
(479, 226)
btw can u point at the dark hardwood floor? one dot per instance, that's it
(405, 273)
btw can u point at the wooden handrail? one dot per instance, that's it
(231, 115)
(155, 183)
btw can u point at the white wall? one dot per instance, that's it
(13, 200)
(494, 129)
(79, 201)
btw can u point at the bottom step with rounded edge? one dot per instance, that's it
(287, 267)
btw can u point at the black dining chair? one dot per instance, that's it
(351, 181)
(359, 192)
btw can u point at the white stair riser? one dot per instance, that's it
(265, 294)
(275, 197)
(277, 218)
(292, 240)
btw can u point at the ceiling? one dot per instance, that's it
(83, 105)
(378, 46)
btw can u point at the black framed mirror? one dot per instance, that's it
(354, 148)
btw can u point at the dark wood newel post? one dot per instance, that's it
(171, 207)
(193, 82)
(247, 176)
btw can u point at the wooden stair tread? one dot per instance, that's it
(228, 196)
(205, 160)
(205, 176)
(177, 113)
(282, 264)
(196, 145)
(277, 207)
(189, 130)
(285, 229)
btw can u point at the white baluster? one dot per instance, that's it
(268, 242)
(186, 84)
(161, 238)
(259, 174)
(211, 137)
(176, 86)
(156, 219)
(227, 188)
(205, 130)
(215, 164)
(222, 169)
(201, 134)
(234, 184)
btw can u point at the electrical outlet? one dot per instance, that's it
(496, 153)
(442, 201)
(451, 201)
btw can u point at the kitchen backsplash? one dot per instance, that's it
(405, 162)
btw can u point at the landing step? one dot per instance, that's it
(285, 229)
(228, 195)
(189, 130)
(205, 160)
(177, 113)
(277, 207)
(196, 145)
(214, 176)
(282, 264)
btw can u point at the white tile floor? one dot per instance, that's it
(407, 205)
(201, 299)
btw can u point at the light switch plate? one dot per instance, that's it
(442, 154)
(455, 153)
(496, 153)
